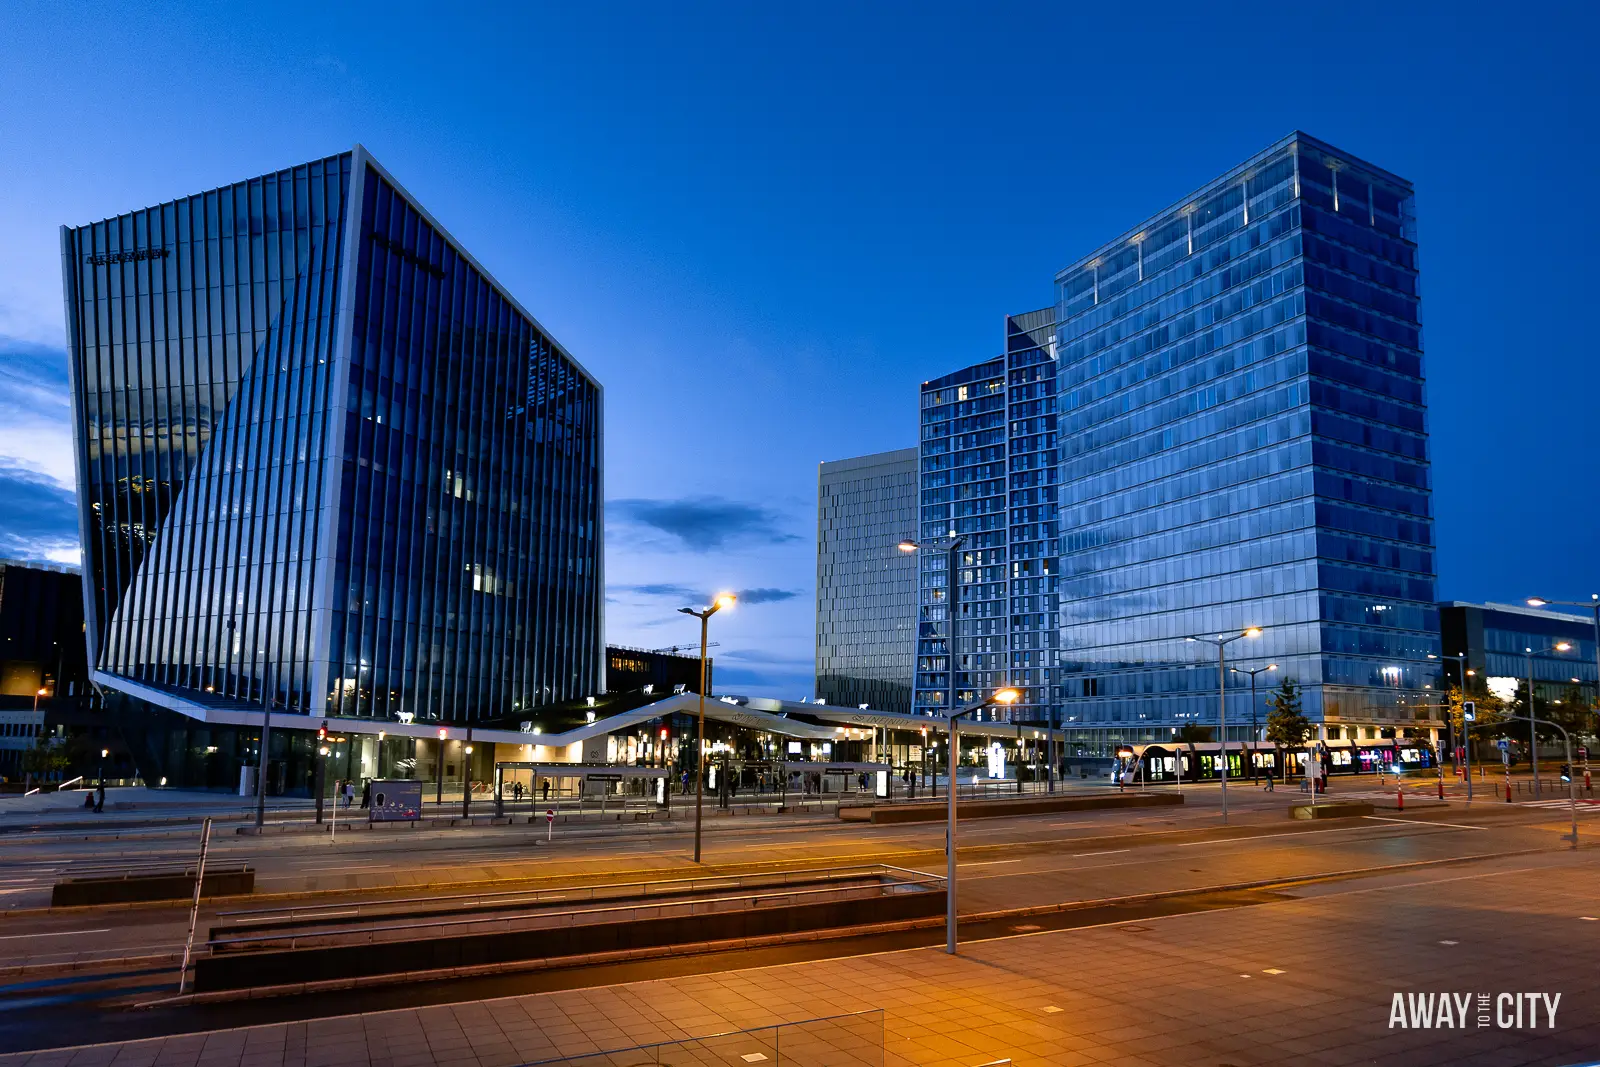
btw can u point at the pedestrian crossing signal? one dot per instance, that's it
(1469, 710)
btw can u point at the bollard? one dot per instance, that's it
(1508, 792)
(1441, 788)
(1399, 798)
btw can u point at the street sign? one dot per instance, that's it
(1503, 744)
(549, 823)
(395, 801)
(550, 815)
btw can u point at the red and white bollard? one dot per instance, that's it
(1399, 798)
(1588, 786)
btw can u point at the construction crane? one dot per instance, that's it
(675, 650)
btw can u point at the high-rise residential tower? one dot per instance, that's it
(987, 473)
(1243, 443)
(866, 587)
(326, 461)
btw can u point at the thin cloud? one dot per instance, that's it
(688, 595)
(38, 516)
(701, 524)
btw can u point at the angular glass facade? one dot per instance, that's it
(325, 459)
(866, 587)
(1243, 442)
(987, 472)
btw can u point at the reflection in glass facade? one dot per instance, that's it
(987, 472)
(1243, 442)
(324, 457)
(866, 587)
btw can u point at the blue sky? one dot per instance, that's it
(762, 226)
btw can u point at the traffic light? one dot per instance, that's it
(443, 733)
(1469, 710)
(1566, 772)
(322, 731)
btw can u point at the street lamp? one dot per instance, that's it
(104, 752)
(726, 600)
(1003, 696)
(952, 547)
(41, 692)
(1254, 733)
(1222, 642)
(1533, 714)
(1464, 673)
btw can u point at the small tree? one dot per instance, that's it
(44, 757)
(1287, 725)
(1192, 734)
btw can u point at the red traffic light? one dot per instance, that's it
(443, 733)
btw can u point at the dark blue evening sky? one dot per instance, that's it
(761, 229)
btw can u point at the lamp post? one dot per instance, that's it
(704, 615)
(1594, 605)
(1222, 641)
(1572, 786)
(951, 545)
(1255, 734)
(1533, 715)
(466, 777)
(1003, 696)
(101, 776)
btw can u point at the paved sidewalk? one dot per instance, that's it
(1306, 981)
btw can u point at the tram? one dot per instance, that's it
(1155, 764)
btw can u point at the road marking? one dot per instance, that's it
(1424, 822)
(1260, 837)
(1273, 970)
(1050, 1009)
(367, 867)
(1449, 942)
(60, 933)
(986, 863)
(1113, 852)
(1590, 918)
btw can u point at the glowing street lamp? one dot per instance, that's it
(1002, 696)
(1533, 715)
(1222, 641)
(724, 600)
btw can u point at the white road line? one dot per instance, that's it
(368, 867)
(1424, 822)
(60, 933)
(986, 863)
(1112, 852)
(1262, 837)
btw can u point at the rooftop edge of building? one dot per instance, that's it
(873, 459)
(1233, 174)
(358, 156)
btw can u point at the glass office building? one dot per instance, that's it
(1501, 641)
(987, 474)
(1243, 442)
(866, 587)
(325, 460)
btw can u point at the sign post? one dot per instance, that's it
(194, 910)
(1505, 758)
(549, 824)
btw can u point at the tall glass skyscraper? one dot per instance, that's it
(1243, 442)
(324, 459)
(866, 587)
(987, 470)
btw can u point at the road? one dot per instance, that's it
(1005, 864)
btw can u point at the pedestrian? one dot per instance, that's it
(516, 791)
(366, 794)
(547, 789)
(100, 797)
(349, 794)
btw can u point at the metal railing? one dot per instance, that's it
(854, 1040)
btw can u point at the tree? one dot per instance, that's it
(1490, 710)
(44, 757)
(1192, 734)
(1287, 725)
